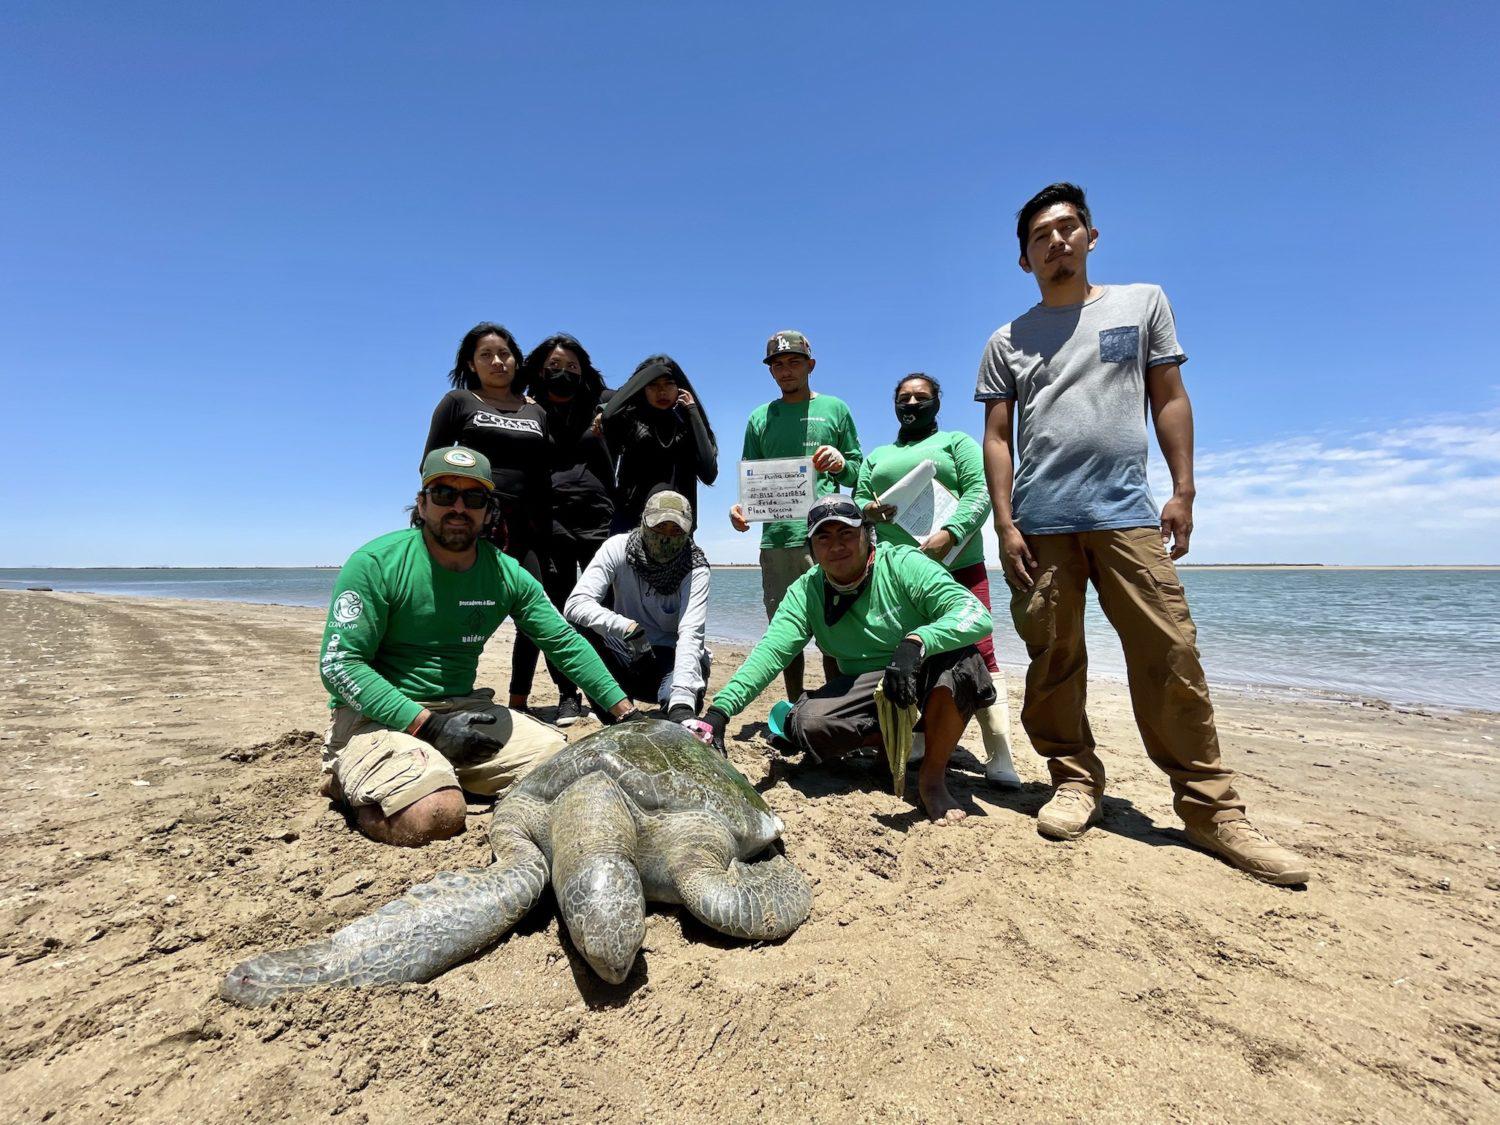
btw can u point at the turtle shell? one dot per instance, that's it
(662, 769)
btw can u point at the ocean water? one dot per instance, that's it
(1407, 636)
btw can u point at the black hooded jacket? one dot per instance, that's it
(657, 449)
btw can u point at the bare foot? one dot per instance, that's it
(939, 803)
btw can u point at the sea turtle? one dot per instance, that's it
(637, 811)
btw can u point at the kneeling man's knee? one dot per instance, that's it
(437, 816)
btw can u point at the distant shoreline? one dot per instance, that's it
(756, 566)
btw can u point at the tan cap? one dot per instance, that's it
(668, 507)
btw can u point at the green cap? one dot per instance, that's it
(457, 461)
(787, 342)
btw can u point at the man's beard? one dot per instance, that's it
(452, 537)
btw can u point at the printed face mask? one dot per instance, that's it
(662, 548)
(917, 415)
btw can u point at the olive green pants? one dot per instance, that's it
(1142, 596)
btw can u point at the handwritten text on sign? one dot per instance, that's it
(780, 489)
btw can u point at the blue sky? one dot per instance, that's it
(241, 244)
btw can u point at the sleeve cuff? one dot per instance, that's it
(1162, 360)
(406, 715)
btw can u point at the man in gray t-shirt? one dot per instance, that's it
(1077, 376)
(1066, 387)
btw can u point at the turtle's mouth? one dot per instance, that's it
(614, 974)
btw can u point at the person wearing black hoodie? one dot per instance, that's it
(661, 439)
(562, 378)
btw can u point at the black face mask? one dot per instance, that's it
(564, 384)
(918, 416)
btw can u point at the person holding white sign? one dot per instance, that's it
(952, 472)
(800, 424)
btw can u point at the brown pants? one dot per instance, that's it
(1143, 599)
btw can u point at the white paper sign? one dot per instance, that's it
(923, 505)
(779, 489)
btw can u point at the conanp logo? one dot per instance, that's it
(347, 607)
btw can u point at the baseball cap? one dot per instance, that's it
(787, 342)
(840, 509)
(668, 506)
(457, 461)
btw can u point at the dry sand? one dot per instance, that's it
(161, 821)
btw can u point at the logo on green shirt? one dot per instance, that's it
(347, 607)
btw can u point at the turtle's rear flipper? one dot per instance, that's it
(426, 930)
(759, 901)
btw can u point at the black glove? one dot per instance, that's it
(636, 642)
(454, 736)
(716, 721)
(679, 713)
(900, 682)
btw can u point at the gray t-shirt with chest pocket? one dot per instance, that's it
(1077, 374)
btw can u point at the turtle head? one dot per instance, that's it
(604, 910)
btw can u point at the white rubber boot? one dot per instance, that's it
(994, 727)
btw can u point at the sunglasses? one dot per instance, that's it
(445, 496)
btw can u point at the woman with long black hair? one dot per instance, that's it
(661, 439)
(562, 378)
(487, 412)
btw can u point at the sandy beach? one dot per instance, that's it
(161, 821)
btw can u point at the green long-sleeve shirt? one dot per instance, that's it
(908, 594)
(960, 469)
(402, 629)
(796, 429)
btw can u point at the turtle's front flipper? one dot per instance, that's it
(759, 901)
(428, 929)
(594, 874)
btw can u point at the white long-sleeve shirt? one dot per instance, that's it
(677, 620)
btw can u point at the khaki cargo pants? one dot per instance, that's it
(375, 765)
(1142, 596)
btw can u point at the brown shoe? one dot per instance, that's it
(1251, 850)
(1068, 815)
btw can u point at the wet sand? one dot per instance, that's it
(160, 821)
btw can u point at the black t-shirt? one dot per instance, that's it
(516, 443)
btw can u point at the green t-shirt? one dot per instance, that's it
(403, 629)
(796, 429)
(908, 593)
(960, 469)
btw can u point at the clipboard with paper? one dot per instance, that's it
(924, 506)
(781, 488)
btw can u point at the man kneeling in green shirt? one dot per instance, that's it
(889, 616)
(411, 613)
